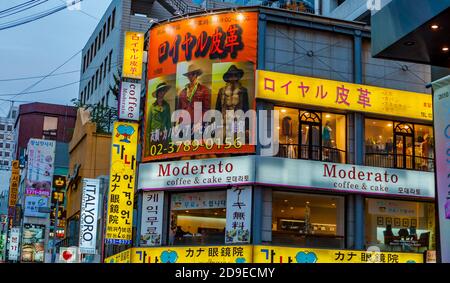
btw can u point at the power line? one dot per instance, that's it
(24, 8)
(18, 6)
(83, 12)
(49, 89)
(54, 75)
(37, 16)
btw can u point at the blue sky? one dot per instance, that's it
(36, 48)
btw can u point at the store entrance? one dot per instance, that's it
(311, 139)
(403, 148)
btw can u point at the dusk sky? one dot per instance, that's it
(37, 48)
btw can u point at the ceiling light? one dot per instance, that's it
(283, 110)
(187, 211)
(434, 26)
(307, 202)
(389, 125)
(285, 200)
(291, 207)
(445, 49)
(328, 116)
(409, 43)
(282, 211)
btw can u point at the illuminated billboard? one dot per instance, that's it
(196, 65)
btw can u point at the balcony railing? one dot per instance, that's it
(320, 153)
(401, 161)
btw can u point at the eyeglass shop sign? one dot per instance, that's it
(197, 173)
(344, 177)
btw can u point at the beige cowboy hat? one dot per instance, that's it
(164, 87)
(193, 69)
(233, 70)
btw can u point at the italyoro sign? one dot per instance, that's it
(274, 171)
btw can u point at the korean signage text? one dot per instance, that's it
(122, 180)
(152, 218)
(14, 184)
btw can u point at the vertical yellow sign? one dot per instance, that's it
(14, 183)
(121, 183)
(133, 55)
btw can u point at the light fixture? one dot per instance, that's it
(215, 213)
(291, 208)
(240, 17)
(389, 125)
(406, 127)
(328, 116)
(307, 202)
(445, 49)
(434, 26)
(282, 211)
(283, 110)
(409, 43)
(333, 204)
(285, 200)
(278, 128)
(187, 211)
(373, 123)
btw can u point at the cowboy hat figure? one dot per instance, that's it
(193, 70)
(161, 88)
(233, 74)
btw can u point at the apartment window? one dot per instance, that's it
(95, 46)
(109, 25)
(1, 153)
(85, 94)
(92, 53)
(84, 63)
(89, 89)
(405, 226)
(87, 58)
(2, 127)
(104, 33)
(103, 101)
(107, 98)
(312, 135)
(7, 145)
(92, 84)
(14, 114)
(199, 224)
(100, 39)
(308, 220)
(96, 79)
(1, 145)
(399, 145)
(9, 128)
(50, 127)
(81, 96)
(101, 71)
(7, 154)
(109, 63)
(2, 136)
(113, 18)
(104, 71)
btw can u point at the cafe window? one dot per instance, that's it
(399, 145)
(401, 226)
(311, 135)
(307, 220)
(197, 218)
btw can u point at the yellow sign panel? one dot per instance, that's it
(343, 95)
(121, 184)
(270, 254)
(123, 257)
(14, 183)
(199, 254)
(258, 254)
(133, 55)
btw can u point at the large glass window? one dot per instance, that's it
(403, 226)
(50, 127)
(399, 145)
(197, 218)
(311, 135)
(307, 220)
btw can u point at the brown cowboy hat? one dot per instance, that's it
(233, 70)
(193, 69)
(164, 87)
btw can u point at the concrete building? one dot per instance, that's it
(89, 154)
(7, 146)
(297, 204)
(102, 54)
